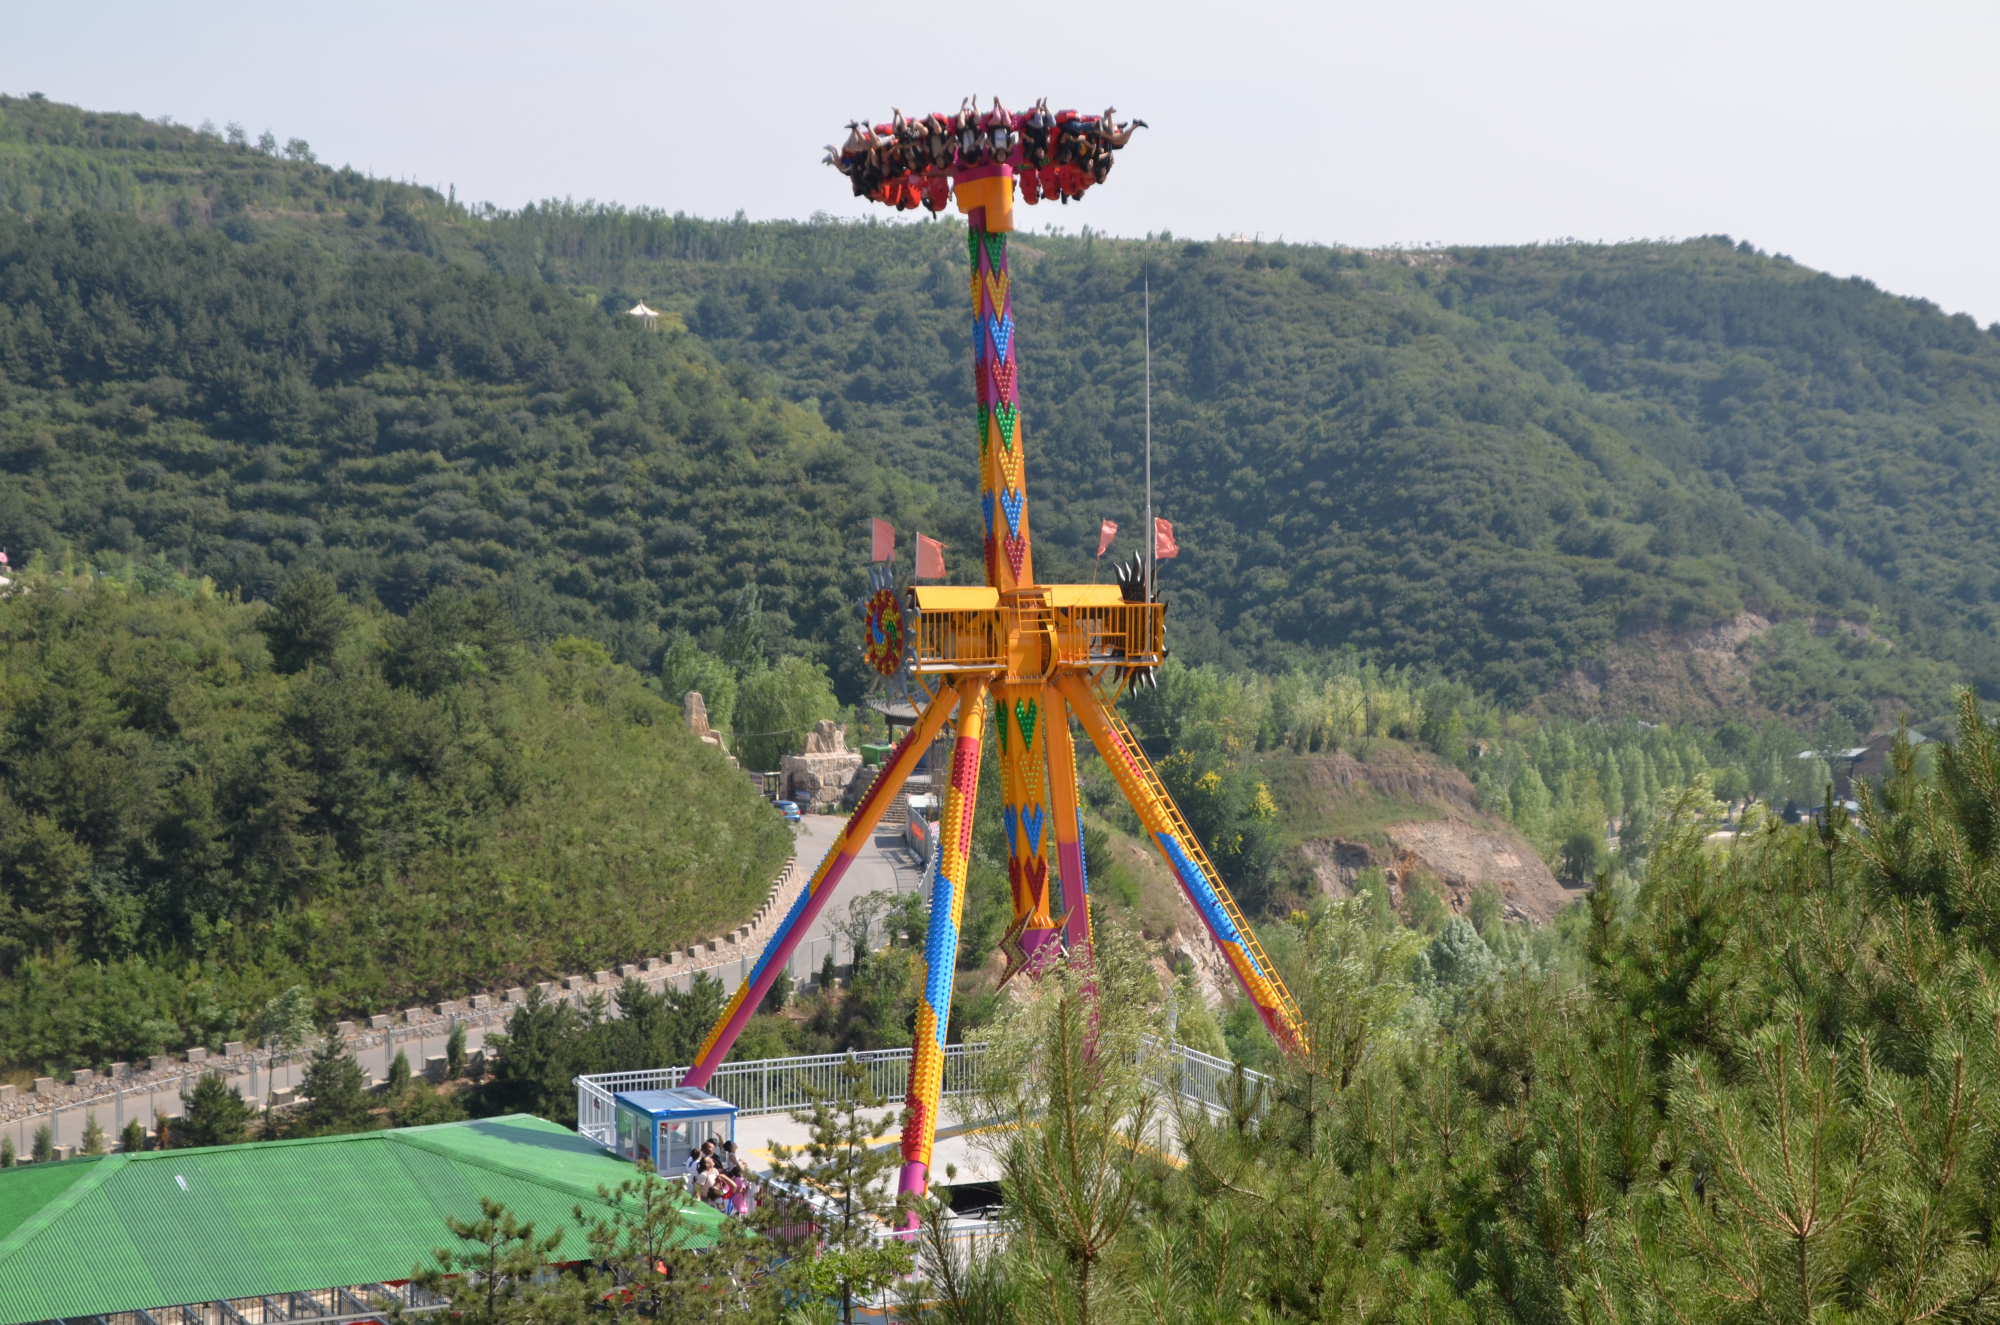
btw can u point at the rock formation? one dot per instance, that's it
(817, 779)
(695, 710)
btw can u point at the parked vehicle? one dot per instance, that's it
(920, 828)
(790, 810)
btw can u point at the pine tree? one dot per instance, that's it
(336, 1091)
(841, 1164)
(655, 1270)
(307, 621)
(93, 1134)
(133, 1139)
(1532, 804)
(491, 1277)
(213, 1114)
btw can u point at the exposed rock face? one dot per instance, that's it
(1461, 856)
(817, 779)
(1665, 675)
(695, 710)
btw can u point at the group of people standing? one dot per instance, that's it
(717, 1176)
(909, 162)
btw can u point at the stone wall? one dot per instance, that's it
(431, 1022)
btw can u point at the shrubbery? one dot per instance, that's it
(423, 808)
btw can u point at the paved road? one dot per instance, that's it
(885, 866)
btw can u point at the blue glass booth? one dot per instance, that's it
(664, 1127)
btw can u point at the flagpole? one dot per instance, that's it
(1152, 530)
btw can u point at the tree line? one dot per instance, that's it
(207, 801)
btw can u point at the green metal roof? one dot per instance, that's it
(160, 1228)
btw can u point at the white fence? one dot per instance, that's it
(775, 1085)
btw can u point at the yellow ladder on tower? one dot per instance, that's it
(1288, 1008)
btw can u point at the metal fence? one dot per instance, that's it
(776, 1085)
(1198, 1078)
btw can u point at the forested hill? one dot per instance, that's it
(1488, 461)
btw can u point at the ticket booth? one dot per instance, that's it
(664, 1127)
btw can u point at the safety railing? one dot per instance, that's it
(776, 1085)
(358, 1304)
(959, 641)
(1129, 633)
(1199, 1079)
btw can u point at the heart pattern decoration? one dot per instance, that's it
(1011, 503)
(1003, 380)
(1003, 332)
(1017, 553)
(1025, 713)
(1031, 828)
(1010, 469)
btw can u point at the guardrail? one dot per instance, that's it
(773, 1085)
(958, 640)
(776, 1085)
(1130, 633)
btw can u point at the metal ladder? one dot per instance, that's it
(1192, 845)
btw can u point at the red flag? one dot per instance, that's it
(930, 558)
(1105, 533)
(1163, 540)
(884, 542)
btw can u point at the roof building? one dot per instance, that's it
(317, 1224)
(1862, 763)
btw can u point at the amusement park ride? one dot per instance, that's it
(1040, 654)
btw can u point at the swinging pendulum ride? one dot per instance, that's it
(1039, 654)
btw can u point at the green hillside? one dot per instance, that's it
(1490, 462)
(203, 802)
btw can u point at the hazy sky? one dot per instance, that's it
(1856, 138)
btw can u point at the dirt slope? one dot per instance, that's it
(1406, 813)
(1665, 676)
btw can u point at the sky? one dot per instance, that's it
(1855, 138)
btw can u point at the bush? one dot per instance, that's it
(336, 1091)
(1424, 906)
(214, 1115)
(775, 708)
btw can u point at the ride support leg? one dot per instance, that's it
(1183, 854)
(941, 947)
(812, 899)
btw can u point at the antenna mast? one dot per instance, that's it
(1152, 530)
